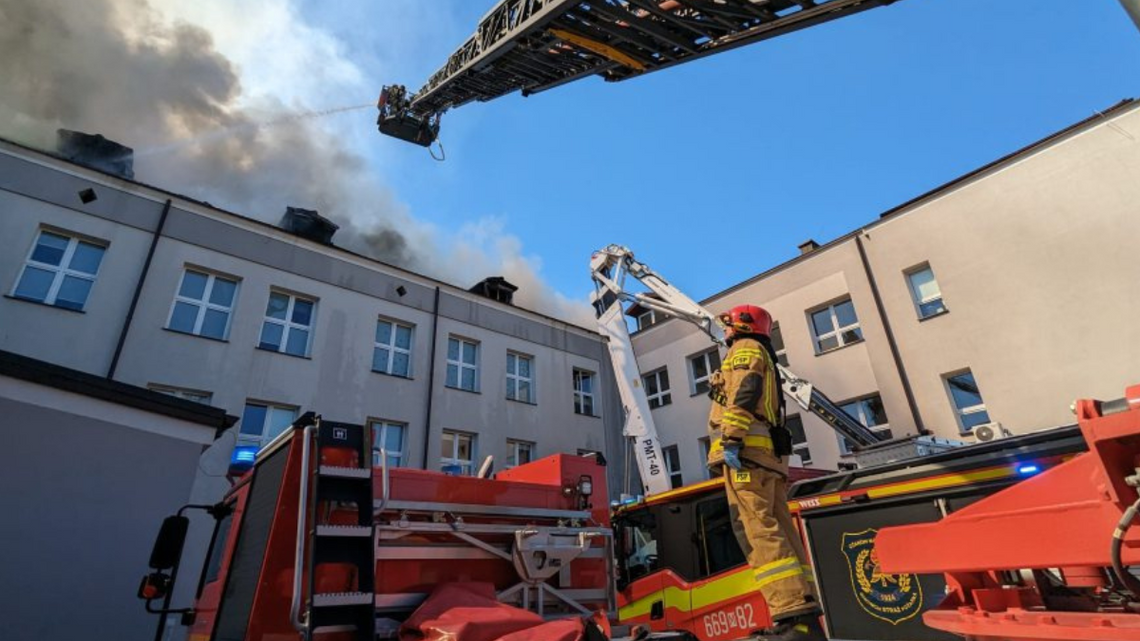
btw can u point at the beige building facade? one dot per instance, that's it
(994, 300)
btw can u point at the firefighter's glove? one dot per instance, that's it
(732, 454)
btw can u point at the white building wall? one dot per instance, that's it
(1036, 261)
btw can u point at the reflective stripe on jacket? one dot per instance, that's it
(746, 401)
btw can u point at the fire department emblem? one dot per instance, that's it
(891, 597)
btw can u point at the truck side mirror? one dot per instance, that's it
(154, 586)
(168, 546)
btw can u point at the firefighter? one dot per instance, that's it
(750, 446)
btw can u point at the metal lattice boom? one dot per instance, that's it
(534, 45)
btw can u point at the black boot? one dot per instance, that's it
(805, 627)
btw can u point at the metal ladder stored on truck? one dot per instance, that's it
(335, 533)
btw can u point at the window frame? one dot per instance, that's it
(705, 446)
(652, 319)
(461, 365)
(383, 424)
(694, 380)
(184, 393)
(805, 445)
(960, 412)
(577, 375)
(204, 303)
(777, 336)
(860, 416)
(59, 272)
(664, 394)
(454, 460)
(287, 324)
(836, 330)
(392, 348)
(262, 438)
(672, 472)
(532, 395)
(514, 446)
(917, 299)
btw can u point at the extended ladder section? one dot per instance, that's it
(609, 268)
(534, 45)
(337, 531)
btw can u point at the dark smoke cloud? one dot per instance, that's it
(115, 68)
(118, 68)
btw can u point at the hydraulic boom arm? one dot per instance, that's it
(609, 268)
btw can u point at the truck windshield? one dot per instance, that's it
(639, 547)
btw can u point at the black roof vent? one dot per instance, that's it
(307, 223)
(495, 288)
(95, 151)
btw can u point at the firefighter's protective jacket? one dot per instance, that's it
(745, 395)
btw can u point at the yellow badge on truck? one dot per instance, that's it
(741, 476)
(894, 598)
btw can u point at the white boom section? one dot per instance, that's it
(609, 268)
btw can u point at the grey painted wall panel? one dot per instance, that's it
(89, 497)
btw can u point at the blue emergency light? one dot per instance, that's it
(1028, 469)
(242, 459)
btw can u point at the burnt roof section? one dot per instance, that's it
(496, 288)
(70, 380)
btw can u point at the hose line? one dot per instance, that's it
(1122, 573)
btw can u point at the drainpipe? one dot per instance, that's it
(1133, 9)
(431, 378)
(138, 291)
(890, 336)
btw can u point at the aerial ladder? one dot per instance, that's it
(535, 45)
(610, 267)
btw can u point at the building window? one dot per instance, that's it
(203, 305)
(288, 324)
(673, 465)
(657, 388)
(457, 451)
(389, 436)
(925, 292)
(967, 400)
(835, 326)
(701, 367)
(795, 425)
(703, 443)
(778, 345)
(870, 412)
(584, 392)
(261, 422)
(646, 319)
(60, 271)
(519, 452)
(198, 396)
(462, 364)
(520, 378)
(392, 353)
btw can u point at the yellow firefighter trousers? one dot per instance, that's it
(758, 503)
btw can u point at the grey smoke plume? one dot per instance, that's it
(117, 67)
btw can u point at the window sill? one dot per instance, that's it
(587, 415)
(43, 304)
(182, 333)
(273, 351)
(461, 389)
(841, 347)
(923, 319)
(515, 400)
(399, 376)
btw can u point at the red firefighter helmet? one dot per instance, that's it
(746, 319)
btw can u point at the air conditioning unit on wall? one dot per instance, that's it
(987, 432)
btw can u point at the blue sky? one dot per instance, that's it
(805, 136)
